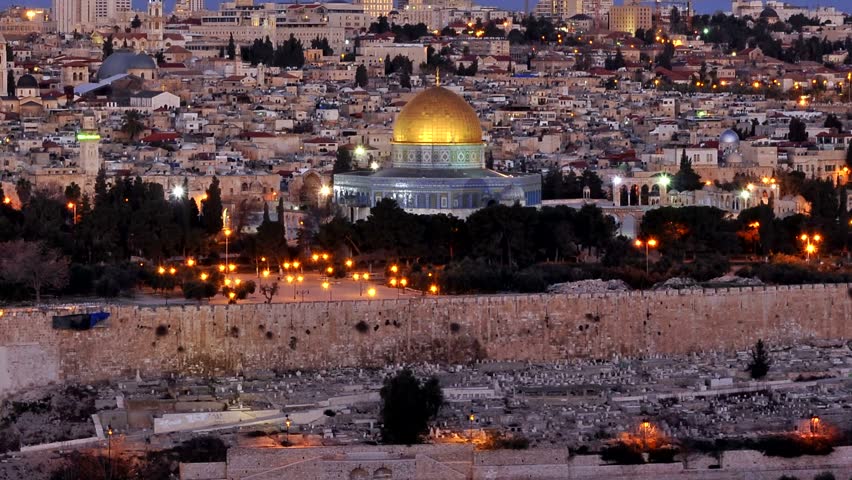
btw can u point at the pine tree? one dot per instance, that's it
(686, 180)
(760, 362)
(388, 65)
(361, 78)
(108, 47)
(849, 157)
(211, 208)
(405, 80)
(232, 48)
(10, 83)
(136, 22)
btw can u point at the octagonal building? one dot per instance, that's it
(437, 165)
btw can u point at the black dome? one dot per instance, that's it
(768, 13)
(121, 62)
(27, 81)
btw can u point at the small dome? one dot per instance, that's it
(729, 138)
(768, 13)
(121, 62)
(27, 81)
(437, 116)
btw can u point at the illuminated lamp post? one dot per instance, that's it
(650, 243)
(811, 242)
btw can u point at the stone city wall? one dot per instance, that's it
(208, 339)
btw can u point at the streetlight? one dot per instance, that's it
(287, 424)
(109, 448)
(433, 289)
(204, 277)
(348, 263)
(327, 286)
(190, 262)
(71, 206)
(227, 236)
(177, 191)
(371, 292)
(650, 243)
(811, 242)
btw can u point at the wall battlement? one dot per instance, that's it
(210, 340)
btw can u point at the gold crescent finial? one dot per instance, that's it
(438, 77)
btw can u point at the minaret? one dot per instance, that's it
(88, 137)
(156, 24)
(4, 86)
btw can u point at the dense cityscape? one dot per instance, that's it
(425, 239)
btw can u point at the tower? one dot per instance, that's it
(4, 75)
(88, 137)
(156, 24)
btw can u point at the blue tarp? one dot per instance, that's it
(79, 321)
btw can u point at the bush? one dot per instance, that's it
(622, 454)
(662, 455)
(791, 446)
(362, 327)
(824, 476)
(198, 290)
(792, 274)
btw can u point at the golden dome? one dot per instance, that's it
(437, 115)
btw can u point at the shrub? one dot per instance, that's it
(161, 330)
(662, 455)
(362, 327)
(455, 327)
(622, 454)
(329, 413)
(824, 476)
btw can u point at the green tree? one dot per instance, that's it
(361, 78)
(108, 47)
(849, 156)
(211, 208)
(343, 162)
(760, 362)
(831, 121)
(381, 26)
(136, 22)
(73, 193)
(405, 80)
(33, 265)
(798, 131)
(231, 49)
(271, 237)
(322, 44)
(24, 189)
(686, 180)
(132, 124)
(407, 406)
(10, 83)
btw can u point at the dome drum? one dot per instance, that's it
(438, 156)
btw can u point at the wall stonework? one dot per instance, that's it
(259, 337)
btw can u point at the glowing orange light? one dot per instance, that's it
(204, 277)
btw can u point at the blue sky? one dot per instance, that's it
(702, 6)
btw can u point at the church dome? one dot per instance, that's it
(27, 81)
(122, 62)
(437, 116)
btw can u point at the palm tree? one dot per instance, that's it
(132, 124)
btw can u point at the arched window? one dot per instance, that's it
(359, 474)
(382, 474)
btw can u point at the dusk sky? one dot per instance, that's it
(703, 6)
